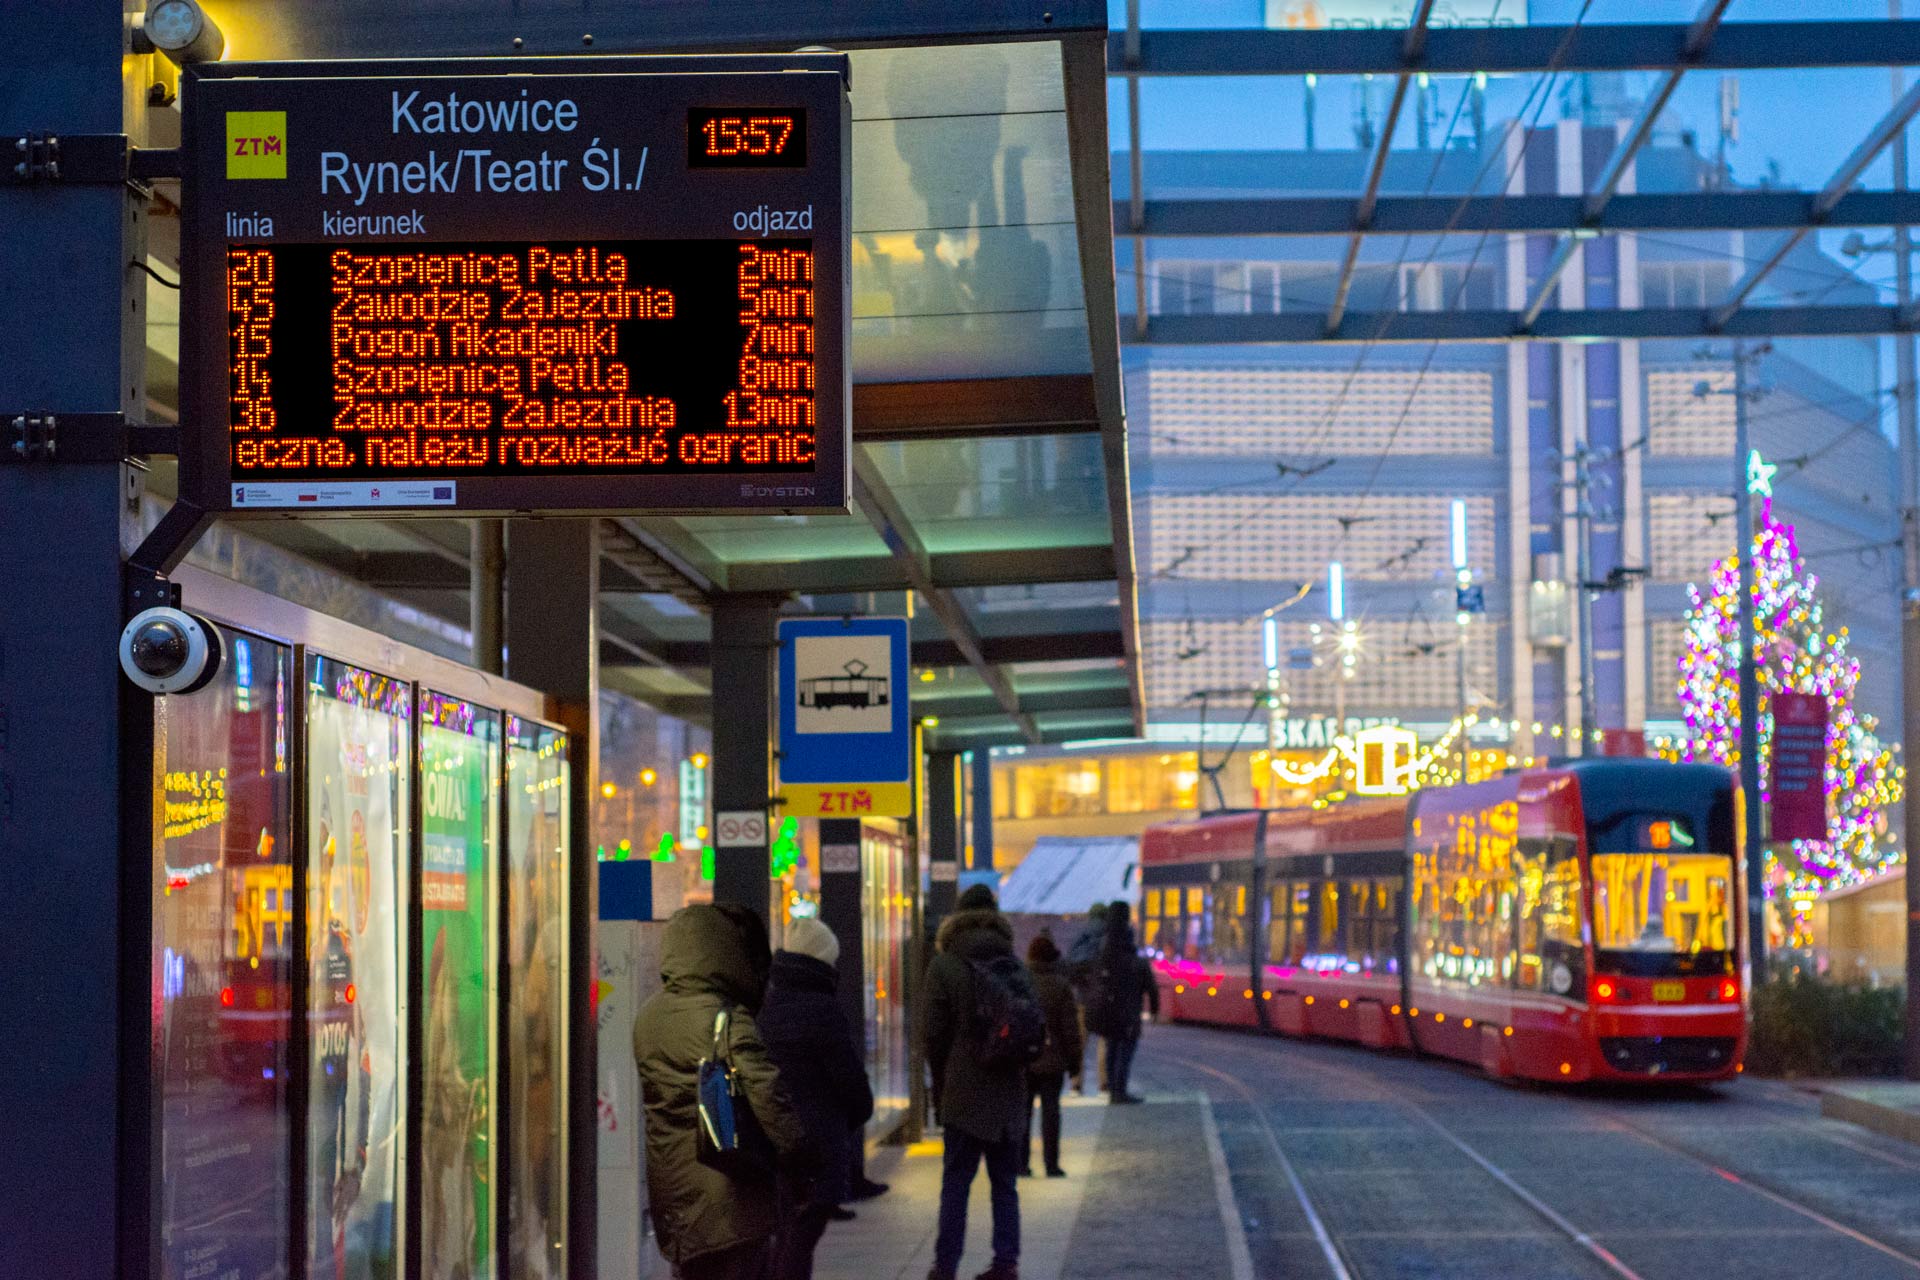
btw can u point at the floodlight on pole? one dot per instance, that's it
(1336, 592)
(1459, 533)
(1270, 638)
(182, 31)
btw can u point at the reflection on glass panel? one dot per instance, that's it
(1659, 902)
(222, 955)
(459, 791)
(536, 963)
(884, 939)
(1057, 789)
(358, 792)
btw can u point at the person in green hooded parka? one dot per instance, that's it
(709, 1225)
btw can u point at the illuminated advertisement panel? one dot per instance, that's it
(456, 291)
(359, 801)
(460, 819)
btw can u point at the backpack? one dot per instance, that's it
(1009, 1026)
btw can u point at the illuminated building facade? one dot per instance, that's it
(1257, 467)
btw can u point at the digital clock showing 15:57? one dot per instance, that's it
(746, 138)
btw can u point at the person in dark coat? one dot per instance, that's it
(1048, 1073)
(1083, 958)
(710, 1226)
(982, 1109)
(810, 1042)
(1126, 981)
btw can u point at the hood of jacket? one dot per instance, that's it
(703, 951)
(795, 972)
(970, 933)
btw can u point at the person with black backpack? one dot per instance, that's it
(984, 1028)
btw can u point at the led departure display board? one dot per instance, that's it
(447, 290)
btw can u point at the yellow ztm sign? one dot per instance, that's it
(256, 144)
(847, 800)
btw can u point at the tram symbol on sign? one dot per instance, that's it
(855, 689)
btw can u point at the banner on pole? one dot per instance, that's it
(1799, 782)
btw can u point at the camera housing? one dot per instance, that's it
(167, 650)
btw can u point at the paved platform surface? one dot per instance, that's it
(1887, 1107)
(1260, 1158)
(1108, 1219)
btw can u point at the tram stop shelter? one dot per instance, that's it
(990, 504)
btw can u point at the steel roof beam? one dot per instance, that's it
(1584, 325)
(883, 511)
(1292, 216)
(1619, 164)
(1627, 46)
(1876, 141)
(1412, 46)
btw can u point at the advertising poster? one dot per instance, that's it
(222, 959)
(358, 791)
(536, 960)
(459, 768)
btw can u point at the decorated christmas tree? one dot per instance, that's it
(1794, 652)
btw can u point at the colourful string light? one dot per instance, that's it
(1793, 652)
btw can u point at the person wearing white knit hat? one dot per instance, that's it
(810, 1040)
(808, 937)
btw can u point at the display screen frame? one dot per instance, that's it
(642, 106)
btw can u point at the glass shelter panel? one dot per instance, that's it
(359, 792)
(883, 868)
(223, 951)
(536, 962)
(460, 817)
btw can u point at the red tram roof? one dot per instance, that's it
(1353, 826)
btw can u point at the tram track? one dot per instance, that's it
(1365, 1079)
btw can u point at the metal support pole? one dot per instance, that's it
(79, 1163)
(943, 834)
(743, 645)
(982, 808)
(1583, 520)
(1755, 852)
(1904, 392)
(1465, 746)
(486, 569)
(551, 629)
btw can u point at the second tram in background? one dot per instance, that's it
(1581, 921)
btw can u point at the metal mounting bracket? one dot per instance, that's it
(45, 158)
(41, 437)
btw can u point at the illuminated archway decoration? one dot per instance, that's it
(1383, 760)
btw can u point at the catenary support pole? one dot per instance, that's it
(550, 627)
(1583, 528)
(743, 644)
(1909, 422)
(1755, 851)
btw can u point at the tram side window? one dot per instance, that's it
(1551, 954)
(1386, 924)
(1199, 925)
(1277, 923)
(1330, 937)
(1229, 944)
(1360, 922)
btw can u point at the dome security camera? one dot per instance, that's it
(165, 650)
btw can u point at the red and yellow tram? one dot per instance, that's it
(1575, 922)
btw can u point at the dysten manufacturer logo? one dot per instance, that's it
(256, 144)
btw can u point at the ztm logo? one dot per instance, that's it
(256, 144)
